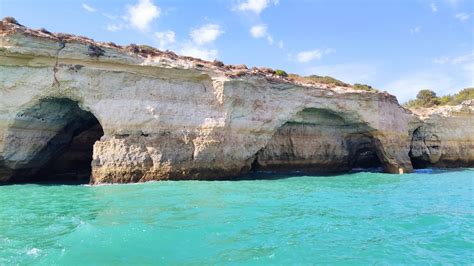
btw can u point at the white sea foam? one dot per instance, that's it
(33, 252)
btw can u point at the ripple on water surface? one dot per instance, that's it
(352, 218)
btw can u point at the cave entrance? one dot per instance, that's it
(424, 148)
(321, 141)
(52, 141)
(417, 154)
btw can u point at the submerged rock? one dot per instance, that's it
(165, 116)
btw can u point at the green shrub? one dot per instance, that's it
(147, 49)
(445, 100)
(428, 98)
(281, 73)
(11, 20)
(465, 94)
(217, 63)
(364, 87)
(327, 80)
(319, 79)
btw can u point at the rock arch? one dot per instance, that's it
(171, 117)
(320, 140)
(50, 140)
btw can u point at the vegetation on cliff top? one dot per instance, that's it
(281, 73)
(319, 79)
(428, 98)
(364, 87)
(11, 20)
(331, 81)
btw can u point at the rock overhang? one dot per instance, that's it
(174, 117)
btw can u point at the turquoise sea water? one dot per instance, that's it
(354, 218)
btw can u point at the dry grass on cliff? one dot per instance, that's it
(364, 87)
(332, 82)
(318, 79)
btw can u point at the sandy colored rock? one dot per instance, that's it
(166, 116)
(445, 138)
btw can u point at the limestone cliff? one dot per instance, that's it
(165, 116)
(445, 138)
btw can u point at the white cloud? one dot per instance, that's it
(441, 60)
(258, 31)
(351, 72)
(142, 14)
(316, 54)
(190, 49)
(114, 27)
(406, 87)
(467, 58)
(165, 38)
(206, 34)
(200, 37)
(448, 76)
(256, 6)
(110, 16)
(270, 39)
(462, 16)
(453, 2)
(306, 56)
(462, 59)
(88, 8)
(280, 44)
(434, 7)
(415, 30)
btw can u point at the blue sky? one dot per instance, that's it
(400, 46)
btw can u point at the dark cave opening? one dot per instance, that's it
(319, 141)
(362, 151)
(56, 137)
(419, 150)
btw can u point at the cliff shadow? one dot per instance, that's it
(51, 142)
(319, 141)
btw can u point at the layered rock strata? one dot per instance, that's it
(165, 116)
(445, 138)
(319, 140)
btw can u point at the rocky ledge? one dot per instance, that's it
(141, 114)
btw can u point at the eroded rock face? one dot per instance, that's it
(445, 138)
(318, 140)
(169, 117)
(51, 137)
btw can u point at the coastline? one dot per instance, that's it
(142, 115)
